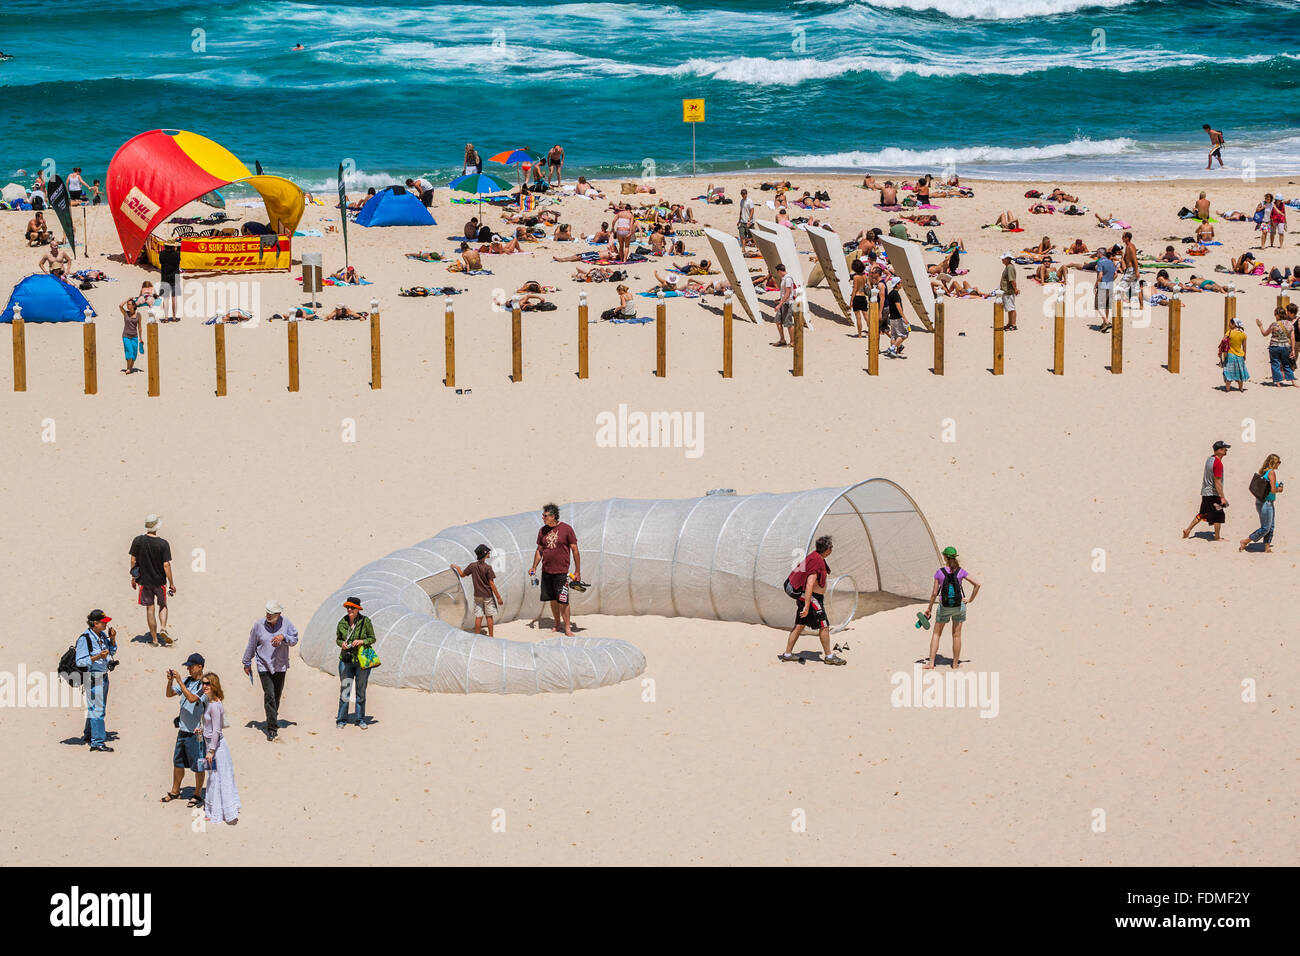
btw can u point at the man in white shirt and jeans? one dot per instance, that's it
(746, 217)
(784, 306)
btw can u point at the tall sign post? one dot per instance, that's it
(692, 112)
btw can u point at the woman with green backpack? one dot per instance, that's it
(949, 592)
(355, 636)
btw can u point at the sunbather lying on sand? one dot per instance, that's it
(1060, 195)
(344, 313)
(1008, 220)
(1234, 215)
(1076, 248)
(702, 268)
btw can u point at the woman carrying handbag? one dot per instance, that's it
(355, 636)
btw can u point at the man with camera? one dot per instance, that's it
(189, 725)
(96, 646)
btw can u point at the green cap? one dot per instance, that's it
(950, 552)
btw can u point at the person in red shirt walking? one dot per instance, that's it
(555, 540)
(807, 585)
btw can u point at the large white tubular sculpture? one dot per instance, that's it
(720, 557)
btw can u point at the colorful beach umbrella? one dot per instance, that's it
(512, 156)
(480, 184)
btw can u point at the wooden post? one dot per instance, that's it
(661, 338)
(376, 369)
(938, 336)
(293, 352)
(726, 334)
(1117, 339)
(582, 335)
(796, 340)
(220, 337)
(449, 322)
(1229, 307)
(516, 343)
(1175, 333)
(151, 351)
(89, 357)
(20, 350)
(1058, 339)
(997, 334)
(873, 335)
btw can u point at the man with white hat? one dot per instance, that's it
(1009, 291)
(269, 642)
(894, 320)
(151, 576)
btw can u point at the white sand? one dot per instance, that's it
(1118, 690)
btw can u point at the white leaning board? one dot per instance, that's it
(905, 259)
(726, 252)
(830, 257)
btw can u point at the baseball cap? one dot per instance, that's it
(1008, 255)
(950, 552)
(195, 659)
(1221, 444)
(95, 616)
(273, 606)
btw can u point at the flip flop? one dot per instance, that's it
(922, 620)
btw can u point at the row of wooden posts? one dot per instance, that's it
(661, 343)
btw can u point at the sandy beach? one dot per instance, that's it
(1120, 690)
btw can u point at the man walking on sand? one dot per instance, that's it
(1010, 289)
(1130, 264)
(555, 541)
(151, 576)
(1212, 500)
(807, 585)
(269, 641)
(1216, 146)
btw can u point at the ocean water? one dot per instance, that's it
(1088, 89)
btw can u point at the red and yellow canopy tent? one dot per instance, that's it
(156, 173)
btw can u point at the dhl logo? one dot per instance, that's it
(139, 208)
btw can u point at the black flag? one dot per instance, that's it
(343, 213)
(62, 206)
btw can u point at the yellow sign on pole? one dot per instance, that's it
(692, 111)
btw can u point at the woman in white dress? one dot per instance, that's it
(221, 799)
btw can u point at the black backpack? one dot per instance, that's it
(931, 238)
(950, 594)
(68, 663)
(1259, 487)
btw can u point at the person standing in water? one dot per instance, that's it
(949, 591)
(1216, 146)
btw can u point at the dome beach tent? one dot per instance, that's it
(720, 557)
(394, 206)
(47, 298)
(155, 174)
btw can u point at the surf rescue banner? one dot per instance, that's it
(228, 254)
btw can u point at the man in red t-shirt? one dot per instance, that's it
(554, 542)
(807, 585)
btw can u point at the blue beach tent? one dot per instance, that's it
(46, 298)
(394, 206)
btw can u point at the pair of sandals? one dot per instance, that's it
(194, 801)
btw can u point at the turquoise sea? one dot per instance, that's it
(1090, 89)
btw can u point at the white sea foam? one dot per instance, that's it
(892, 157)
(988, 9)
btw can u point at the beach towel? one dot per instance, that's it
(627, 320)
(894, 208)
(478, 272)
(313, 233)
(420, 291)
(675, 293)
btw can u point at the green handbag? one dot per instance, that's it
(367, 658)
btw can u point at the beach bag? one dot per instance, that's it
(1259, 486)
(1032, 194)
(609, 314)
(545, 307)
(68, 664)
(931, 238)
(367, 659)
(950, 594)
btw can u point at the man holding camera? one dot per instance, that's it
(96, 646)
(189, 725)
